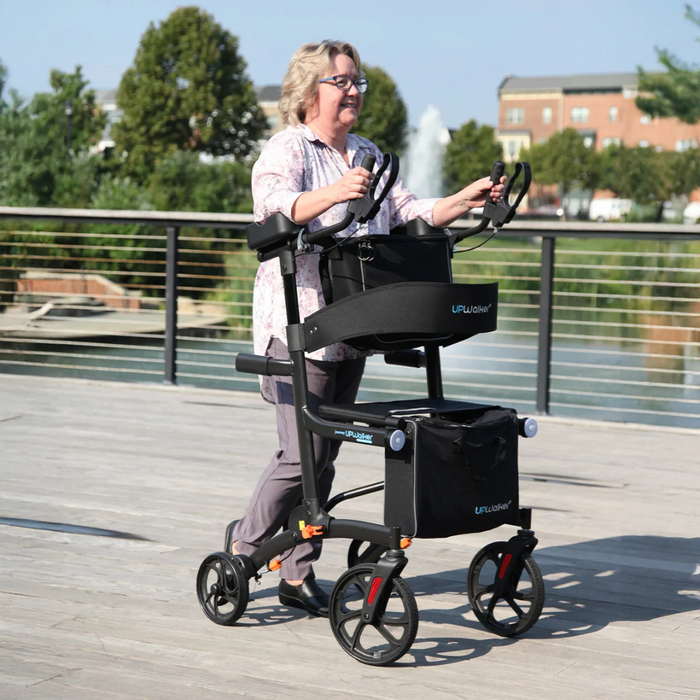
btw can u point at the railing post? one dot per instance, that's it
(171, 256)
(544, 351)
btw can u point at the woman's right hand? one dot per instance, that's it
(353, 185)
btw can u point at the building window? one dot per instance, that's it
(612, 114)
(645, 119)
(512, 148)
(272, 121)
(686, 145)
(515, 116)
(579, 115)
(547, 115)
(611, 141)
(589, 141)
(644, 143)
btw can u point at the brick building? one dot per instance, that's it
(601, 107)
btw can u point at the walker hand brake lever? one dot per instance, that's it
(503, 212)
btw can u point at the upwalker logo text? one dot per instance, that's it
(359, 437)
(473, 309)
(480, 510)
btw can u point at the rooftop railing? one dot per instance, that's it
(595, 320)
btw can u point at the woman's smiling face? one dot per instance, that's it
(335, 110)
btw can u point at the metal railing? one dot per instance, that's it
(595, 320)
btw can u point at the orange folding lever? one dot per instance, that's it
(310, 531)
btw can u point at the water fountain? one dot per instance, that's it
(423, 160)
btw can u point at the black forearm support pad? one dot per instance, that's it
(405, 315)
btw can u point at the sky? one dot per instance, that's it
(452, 54)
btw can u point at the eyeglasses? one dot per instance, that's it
(344, 83)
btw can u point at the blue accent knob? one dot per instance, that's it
(397, 440)
(530, 427)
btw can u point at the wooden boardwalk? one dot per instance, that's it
(85, 617)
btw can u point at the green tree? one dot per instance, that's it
(182, 182)
(563, 160)
(384, 117)
(187, 90)
(3, 79)
(35, 165)
(675, 93)
(470, 155)
(647, 176)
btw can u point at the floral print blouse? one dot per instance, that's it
(292, 162)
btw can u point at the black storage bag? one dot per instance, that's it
(454, 478)
(368, 262)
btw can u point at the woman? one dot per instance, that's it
(308, 173)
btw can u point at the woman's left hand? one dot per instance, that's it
(474, 195)
(449, 209)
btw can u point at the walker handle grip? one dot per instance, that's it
(368, 162)
(263, 364)
(499, 168)
(360, 207)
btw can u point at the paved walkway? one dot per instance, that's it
(87, 617)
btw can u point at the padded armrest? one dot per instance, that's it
(276, 230)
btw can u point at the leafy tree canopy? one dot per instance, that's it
(470, 155)
(384, 117)
(187, 89)
(34, 160)
(563, 160)
(183, 182)
(647, 176)
(3, 79)
(675, 93)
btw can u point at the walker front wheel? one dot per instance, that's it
(222, 588)
(386, 640)
(506, 608)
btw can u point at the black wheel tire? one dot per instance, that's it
(222, 588)
(361, 552)
(387, 640)
(518, 607)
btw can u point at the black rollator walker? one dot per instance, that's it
(451, 466)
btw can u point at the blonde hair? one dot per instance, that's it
(300, 84)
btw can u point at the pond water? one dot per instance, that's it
(608, 379)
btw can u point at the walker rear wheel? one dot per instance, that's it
(516, 608)
(383, 642)
(222, 588)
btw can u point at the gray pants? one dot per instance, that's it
(279, 489)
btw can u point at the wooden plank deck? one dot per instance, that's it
(91, 617)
